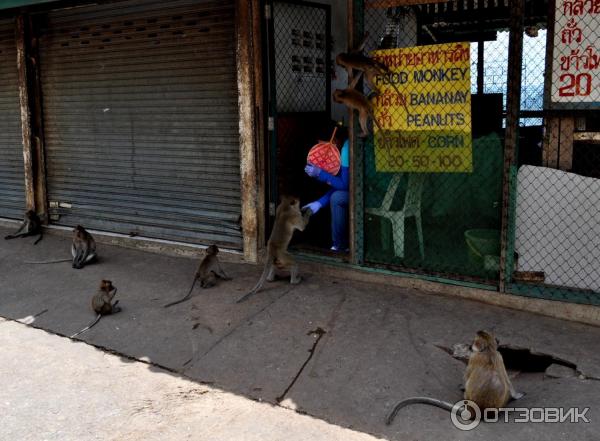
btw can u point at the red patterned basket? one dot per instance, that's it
(326, 156)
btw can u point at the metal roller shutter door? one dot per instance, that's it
(141, 119)
(12, 180)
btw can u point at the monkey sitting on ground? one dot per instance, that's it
(102, 304)
(209, 270)
(31, 226)
(288, 218)
(83, 249)
(486, 381)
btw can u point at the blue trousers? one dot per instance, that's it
(339, 218)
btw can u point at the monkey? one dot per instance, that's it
(31, 226)
(353, 99)
(355, 59)
(486, 381)
(209, 270)
(288, 218)
(83, 249)
(102, 304)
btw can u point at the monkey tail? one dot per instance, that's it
(417, 400)
(43, 262)
(187, 296)
(88, 327)
(260, 282)
(39, 238)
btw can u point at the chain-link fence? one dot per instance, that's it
(479, 161)
(433, 170)
(557, 203)
(434, 177)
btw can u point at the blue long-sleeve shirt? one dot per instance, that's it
(339, 182)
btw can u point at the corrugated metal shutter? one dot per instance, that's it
(12, 183)
(141, 119)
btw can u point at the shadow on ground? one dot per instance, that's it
(380, 343)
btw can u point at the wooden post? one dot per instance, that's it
(31, 116)
(557, 149)
(37, 125)
(513, 104)
(23, 84)
(246, 81)
(565, 152)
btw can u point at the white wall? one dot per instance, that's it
(558, 226)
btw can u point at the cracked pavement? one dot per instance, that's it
(379, 344)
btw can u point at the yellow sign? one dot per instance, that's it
(425, 120)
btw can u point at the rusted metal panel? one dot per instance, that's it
(141, 119)
(12, 187)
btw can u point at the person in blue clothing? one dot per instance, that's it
(337, 197)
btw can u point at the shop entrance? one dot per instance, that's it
(301, 77)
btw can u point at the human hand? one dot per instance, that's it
(313, 207)
(312, 171)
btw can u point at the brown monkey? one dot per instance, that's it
(102, 303)
(288, 218)
(353, 99)
(355, 59)
(83, 249)
(486, 381)
(31, 226)
(209, 270)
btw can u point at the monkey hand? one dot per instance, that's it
(312, 171)
(313, 207)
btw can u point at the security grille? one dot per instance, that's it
(141, 119)
(12, 184)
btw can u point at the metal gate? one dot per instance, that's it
(141, 119)
(12, 184)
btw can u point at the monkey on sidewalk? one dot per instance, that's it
(83, 249)
(486, 381)
(102, 304)
(31, 226)
(209, 270)
(288, 218)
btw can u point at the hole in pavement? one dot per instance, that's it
(515, 358)
(522, 359)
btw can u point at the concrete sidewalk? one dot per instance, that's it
(381, 344)
(64, 390)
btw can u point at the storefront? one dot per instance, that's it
(470, 174)
(186, 120)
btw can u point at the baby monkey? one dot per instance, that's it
(31, 226)
(486, 381)
(102, 304)
(209, 270)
